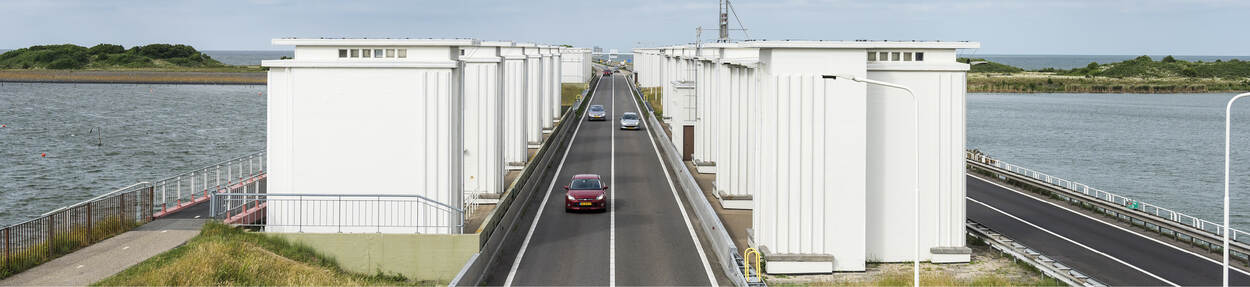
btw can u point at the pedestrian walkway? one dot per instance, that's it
(108, 257)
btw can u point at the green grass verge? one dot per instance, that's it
(569, 92)
(654, 97)
(224, 256)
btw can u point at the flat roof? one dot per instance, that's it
(496, 43)
(862, 44)
(374, 42)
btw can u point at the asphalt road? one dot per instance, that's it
(1126, 258)
(649, 243)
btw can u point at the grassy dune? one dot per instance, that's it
(1047, 82)
(224, 256)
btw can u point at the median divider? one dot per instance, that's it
(724, 252)
(501, 224)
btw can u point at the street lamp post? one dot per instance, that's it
(916, 171)
(1228, 122)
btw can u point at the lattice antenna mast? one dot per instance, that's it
(724, 21)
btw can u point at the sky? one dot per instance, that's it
(1097, 27)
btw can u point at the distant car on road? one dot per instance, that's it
(586, 192)
(607, 72)
(630, 121)
(597, 113)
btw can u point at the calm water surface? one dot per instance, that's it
(1165, 149)
(148, 132)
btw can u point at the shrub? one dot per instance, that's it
(65, 63)
(164, 51)
(104, 49)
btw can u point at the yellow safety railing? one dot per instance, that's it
(746, 264)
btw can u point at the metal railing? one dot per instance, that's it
(1049, 267)
(241, 174)
(1127, 202)
(337, 213)
(64, 230)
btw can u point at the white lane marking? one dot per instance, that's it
(78, 267)
(612, 200)
(1221, 263)
(543, 204)
(1074, 242)
(707, 269)
(125, 247)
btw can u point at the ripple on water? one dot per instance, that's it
(144, 135)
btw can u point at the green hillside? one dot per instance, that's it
(106, 56)
(1145, 67)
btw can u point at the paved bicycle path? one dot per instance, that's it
(108, 257)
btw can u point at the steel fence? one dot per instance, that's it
(337, 213)
(64, 230)
(1127, 202)
(242, 174)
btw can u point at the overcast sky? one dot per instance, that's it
(1132, 27)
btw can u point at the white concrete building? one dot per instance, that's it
(533, 96)
(436, 118)
(575, 67)
(343, 122)
(483, 121)
(515, 144)
(826, 165)
(545, 98)
(556, 62)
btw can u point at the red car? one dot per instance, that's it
(586, 192)
(607, 72)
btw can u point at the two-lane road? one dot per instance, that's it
(1107, 253)
(644, 238)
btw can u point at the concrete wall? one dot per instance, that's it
(333, 123)
(483, 124)
(533, 96)
(810, 148)
(575, 67)
(514, 143)
(416, 256)
(941, 92)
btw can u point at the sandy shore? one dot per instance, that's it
(133, 77)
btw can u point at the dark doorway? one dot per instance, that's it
(687, 142)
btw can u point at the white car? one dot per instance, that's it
(597, 113)
(630, 121)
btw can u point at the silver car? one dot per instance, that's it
(630, 121)
(597, 113)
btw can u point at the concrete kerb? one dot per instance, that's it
(503, 216)
(722, 245)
